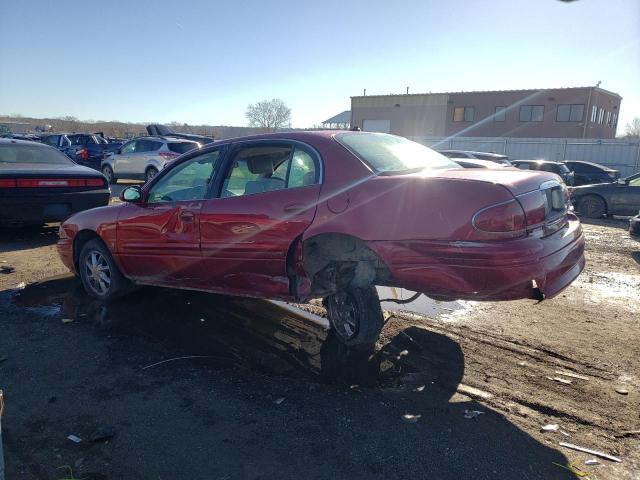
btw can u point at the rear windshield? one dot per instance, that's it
(389, 154)
(31, 154)
(182, 147)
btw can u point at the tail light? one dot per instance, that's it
(52, 182)
(168, 155)
(504, 220)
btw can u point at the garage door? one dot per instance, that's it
(382, 126)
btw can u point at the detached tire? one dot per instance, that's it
(355, 315)
(592, 206)
(99, 274)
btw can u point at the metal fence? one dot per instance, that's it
(621, 154)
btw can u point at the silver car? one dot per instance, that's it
(142, 158)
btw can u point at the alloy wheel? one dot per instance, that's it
(346, 315)
(97, 272)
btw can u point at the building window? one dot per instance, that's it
(614, 120)
(594, 113)
(569, 113)
(600, 115)
(463, 114)
(500, 114)
(532, 113)
(609, 118)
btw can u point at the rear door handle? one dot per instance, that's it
(187, 216)
(295, 208)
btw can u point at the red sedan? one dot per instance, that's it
(323, 214)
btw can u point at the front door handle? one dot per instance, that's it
(295, 207)
(187, 216)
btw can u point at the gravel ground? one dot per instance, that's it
(272, 395)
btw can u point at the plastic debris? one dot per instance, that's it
(279, 400)
(622, 391)
(564, 433)
(591, 461)
(102, 434)
(21, 285)
(561, 380)
(74, 438)
(419, 389)
(592, 452)
(67, 320)
(472, 413)
(552, 427)
(571, 374)
(409, 418)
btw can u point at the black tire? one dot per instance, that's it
(107, 172)
(355, 315)
(150, 173)
(592, 206)
(98, 272)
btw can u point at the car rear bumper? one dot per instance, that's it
(507, 270)
(39, 208)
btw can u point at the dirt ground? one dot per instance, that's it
(272, 395)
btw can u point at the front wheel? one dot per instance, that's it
(151, 172)
(355, 315)
(99, 274)
(592, 206)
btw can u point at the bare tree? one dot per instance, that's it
(632, 129)
(269, 114)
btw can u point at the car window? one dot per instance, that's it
(181, 147)
(147, 146)
(77, 139)
(51, 140)
(549, 167)
(635, 182)
(303, 170)
(128, 148)
(577, 167)
(257, 169)
(187, 181)
(31, 154)
(389, 154)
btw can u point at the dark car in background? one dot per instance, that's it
(40, 184)
(473, 163)
(619, 198)
(87, 149)
(156, 130)
(588, 173)
(634, 226)
(558, 168)
(491, 157)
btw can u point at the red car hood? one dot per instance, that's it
(517, 181)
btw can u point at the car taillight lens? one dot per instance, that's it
(167, 155)
(84, 154)
(504, 218)
(51, 182)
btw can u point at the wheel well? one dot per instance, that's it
(81, 238)
(333, 261)
(149, 167)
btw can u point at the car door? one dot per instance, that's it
(121, 160)
(267, 198)
(625, 199)
(158, 239)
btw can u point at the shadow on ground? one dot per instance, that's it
(15, 238)
(271, 395)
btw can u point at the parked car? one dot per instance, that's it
(588, 173)
(634, 225)
(619, 198)
(156, 130)
(491, 157)
(85, 149)
(546, 166)
(473, 163)
(144, 157)
(39, 184)
(302, 215)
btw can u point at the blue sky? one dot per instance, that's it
(198, 61)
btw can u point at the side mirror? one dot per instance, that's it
(622, 181)
(131, 194)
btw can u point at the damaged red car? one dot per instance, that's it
(329, 215)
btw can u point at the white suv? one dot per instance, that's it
(144, 157)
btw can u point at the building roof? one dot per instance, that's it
(488, 91)
(344, 117)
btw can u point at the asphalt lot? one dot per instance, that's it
(267, 393)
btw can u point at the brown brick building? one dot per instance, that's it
(583, 112)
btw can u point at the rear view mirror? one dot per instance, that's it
(131, 194)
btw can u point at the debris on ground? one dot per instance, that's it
(571, 374)
(472, 413)
(6, 269)
(67, 320)
(102, 434)
(572, 468)
(552, 427)
(74, 438)
(592, 452)
(561, 380)
(409, 418)
(622, 391)
(279, 400)
(591, 461)
(21, 286)
(3, 357)
(628, 433)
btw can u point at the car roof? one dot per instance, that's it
(593, 164)
(478, 162)
(473, 152)
(536, 161)
(5, 141)
(167, 138)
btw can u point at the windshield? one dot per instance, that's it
(31, 154)
(182, 147)
(392, 154)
